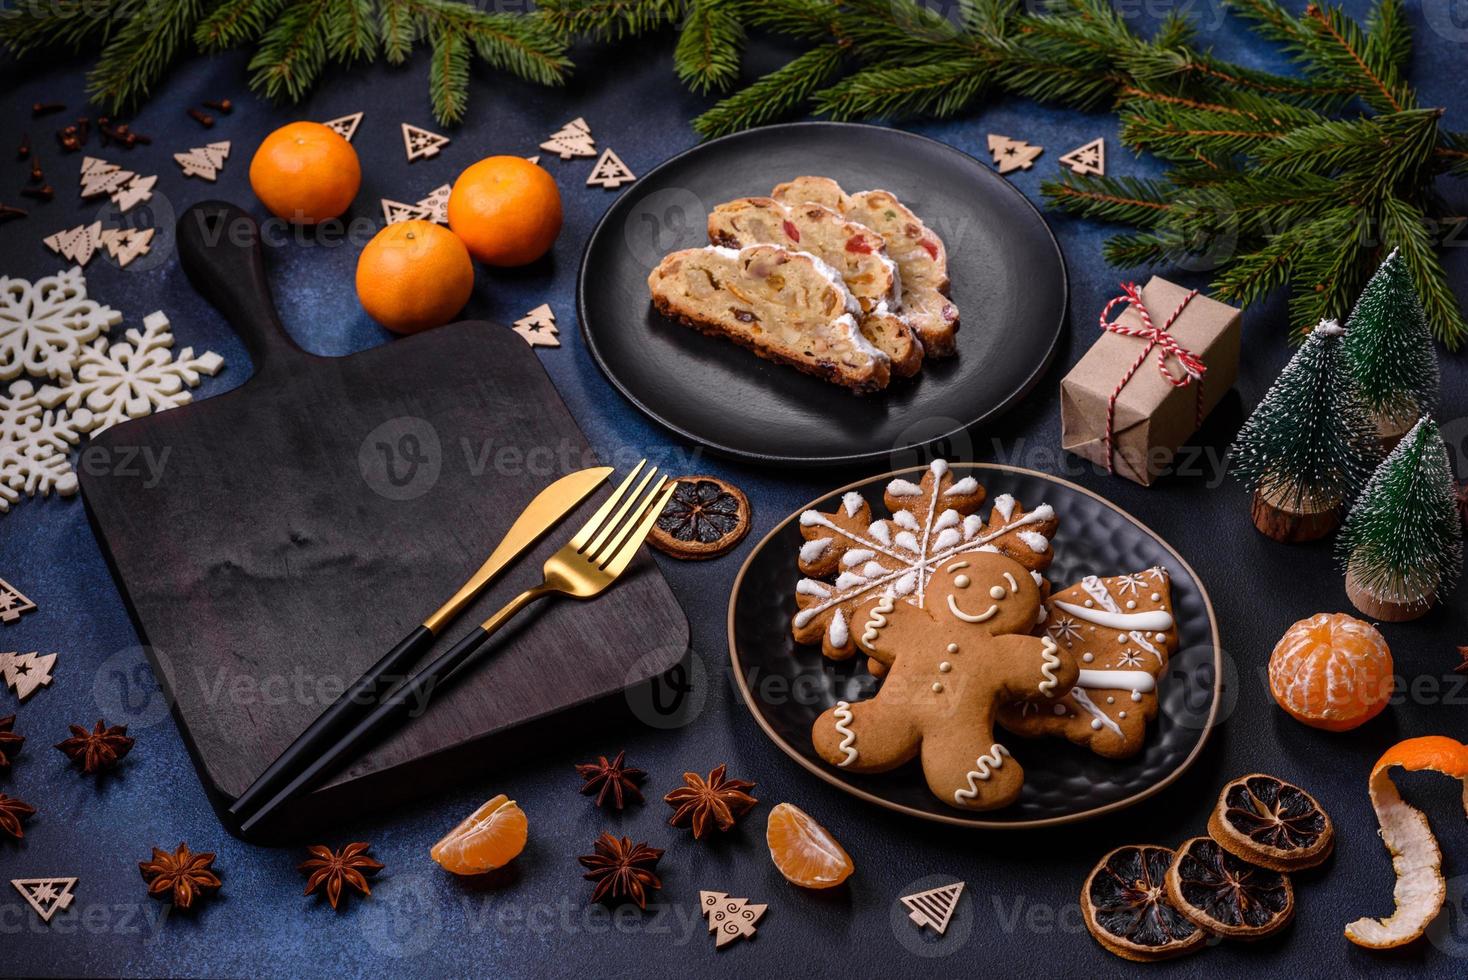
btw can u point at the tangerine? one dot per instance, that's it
(414, 275)
(804, 851)
(305, 173)
(1331, 671)
(488, 838)
(506, 209)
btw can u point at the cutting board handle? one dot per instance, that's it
(219, 248)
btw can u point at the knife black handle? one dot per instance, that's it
(355, 703)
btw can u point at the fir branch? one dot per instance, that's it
(292, 52)
(395, 24)
(608, 19)
(1253, 275)
(1388, 38)
(38, 25)
(235, 22)
(709, 47)
(810, 20)
(138, 53)
(528, 46)
(351, 32)
(1405, 227)
(940, 89)
(1130, 200)
(772, 96)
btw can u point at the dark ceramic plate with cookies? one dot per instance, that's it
(787, 685)
(1007, 278)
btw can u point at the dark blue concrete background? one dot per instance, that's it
(1019, 914)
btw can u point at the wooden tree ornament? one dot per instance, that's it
(77, 244)
(1087, 160)
(572, 140)
(345, 126)
(730, 918)
(538, 327)
(1011, 154)
(13, 603)
(396, 211)
(46, 896)
(933, 908)
(610, 172)
(203, 161)
(126, 244)
(98, 177)
(420, 144)
(26, 673)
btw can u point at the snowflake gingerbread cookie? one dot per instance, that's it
(848, 559)
(1121, 630)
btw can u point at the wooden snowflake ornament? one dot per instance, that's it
(1087, 160)
(730, 918)
(43, 324)
(933, 908)
(345, 126)
(1011, 154)
(26, 673)
(610, 172)
(203, 161)
(538, 327)
(572, 140)
(46, 896)
(34, 446)
(130, 379)
(421, 144)
(13, 603)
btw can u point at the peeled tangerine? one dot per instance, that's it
(1331, 671)
(488, 838)
(804, 851)
(1420, 889)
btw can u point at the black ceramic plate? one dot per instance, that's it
(1008, 283)
(787, 686)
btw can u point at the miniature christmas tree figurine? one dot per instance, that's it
(1403, 543)
(1389, 351)
(1309, 447)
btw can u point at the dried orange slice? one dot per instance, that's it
(1125, 905)
(488, 838)
(1331, 671)
(1271, 823)
(1228, 896)
(1420, 889)
(804, 851)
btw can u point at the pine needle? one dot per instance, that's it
(709, 47)
(140, 51)
(774, 95)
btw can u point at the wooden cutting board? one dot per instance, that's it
(307, 520)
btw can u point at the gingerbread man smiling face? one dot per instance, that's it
(951, 662)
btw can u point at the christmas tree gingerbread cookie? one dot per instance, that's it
(951, 664)
(1121, 631)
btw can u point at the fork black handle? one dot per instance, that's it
(398, 705)
(366, 693)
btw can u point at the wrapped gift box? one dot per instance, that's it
(1152, 415)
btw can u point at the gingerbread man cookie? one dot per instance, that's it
(850, 560)
(952, 662)
(1122, 631)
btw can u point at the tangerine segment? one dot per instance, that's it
(488, 838)
(1331, 671)
(1125, 905)
(804, 851)
(1420, 889)
(414, 275)
(305, 173)
(506, 209)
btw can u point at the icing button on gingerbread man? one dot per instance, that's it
(951, 663)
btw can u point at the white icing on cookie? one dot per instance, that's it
(848, 737)
(983, 768)
(1035, 541)
(965, 486)
(1117, 680)
(878, 620)
(856, 556)
(1099, 718)
(904, 488)
(810, 586)
(1047, 653)
(838, 634)
(1153, 619)
(851, 503)
(982, 617)
(812, 550)
(1004, 505)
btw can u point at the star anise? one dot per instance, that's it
(12, 812)
(10, 742)
(350, 866)
(717, 800)
(182, 876)
(613, 780)
(99, 748)
(622, 869)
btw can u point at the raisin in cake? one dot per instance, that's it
(852, 249)
(786, 306)
(922, 259)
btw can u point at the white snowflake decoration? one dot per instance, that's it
(131, 379)
(34, 443)
(1064, 628)
(896, 556)
(43, 324)
(1130, 584)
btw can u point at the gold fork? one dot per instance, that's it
(592, 560)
